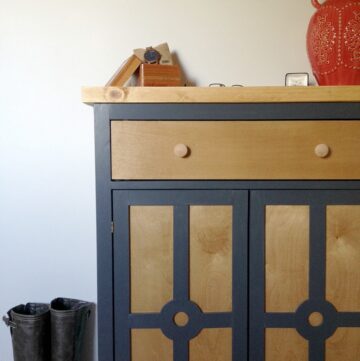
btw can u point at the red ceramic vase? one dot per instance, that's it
(333, 42)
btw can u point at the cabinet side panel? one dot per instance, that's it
(284, 345)
(343, 257)
(287, 257)
(105, 306)
(212, 345)
(151, 257)
(150, 345)
(211, 257)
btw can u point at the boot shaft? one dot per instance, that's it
(68, 321)
(30, 331)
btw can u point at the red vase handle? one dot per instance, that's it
(316, 4)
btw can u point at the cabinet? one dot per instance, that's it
(228, 223)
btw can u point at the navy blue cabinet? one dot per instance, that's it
(248, 266)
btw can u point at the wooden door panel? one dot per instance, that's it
(180, 275)
(151, 257)
(212, 345)
(286, 257)
(344, 345)
(285, 344)
(211, 257)
(150, 345)
(304, 275)
(343, 257)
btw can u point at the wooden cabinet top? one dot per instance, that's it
(93, 95)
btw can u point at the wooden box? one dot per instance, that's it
(159, 75)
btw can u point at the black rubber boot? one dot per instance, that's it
(30, 331)
(68, 321)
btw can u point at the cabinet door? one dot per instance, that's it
(305, 276)
(180, 275)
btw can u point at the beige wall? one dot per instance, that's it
(48, 49)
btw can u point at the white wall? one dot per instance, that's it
(48, 50)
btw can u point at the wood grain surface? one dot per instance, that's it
(211, 257)
(211, 345)
(235, 149)
(91, 95)
(287, 257)
(285, 344)
(344, 345)
(151, 257)
(150, 345)
(343, 257)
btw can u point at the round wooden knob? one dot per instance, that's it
(322, 150)
(181, 150)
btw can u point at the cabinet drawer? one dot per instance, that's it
(235, 149)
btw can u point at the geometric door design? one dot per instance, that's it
(180, 275)
(304, 275)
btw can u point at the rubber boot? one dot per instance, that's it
(30, 331)
(68, 321)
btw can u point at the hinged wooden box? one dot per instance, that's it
(160, 75)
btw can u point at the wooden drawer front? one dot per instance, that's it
(235, 149)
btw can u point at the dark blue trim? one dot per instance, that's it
(181, 350)
(144, 320)
(317, 350)
(181, 252)
(206, 320)
(235, 185)
(306, 197)
(256, 277)
(317, 256)
(243, 111)
(218, 320)
(187, 332)
(240, 224)
(348, 319)
(180, 197)
(121, 276)
(326, 329)
(105, 311)
(280, 320)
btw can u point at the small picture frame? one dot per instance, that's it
(297, 79)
